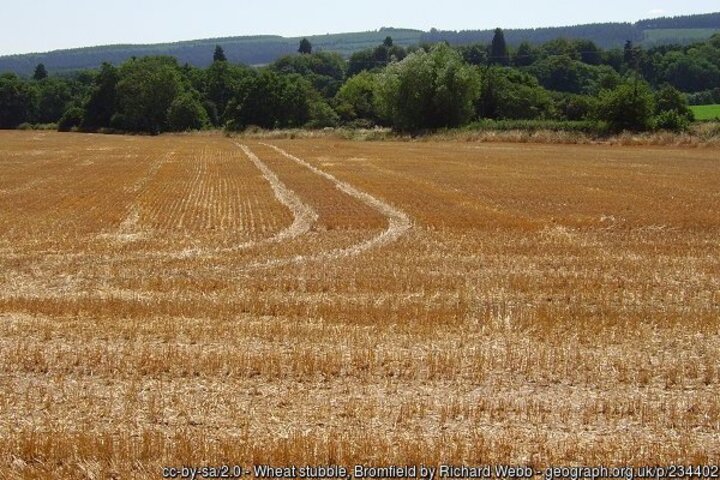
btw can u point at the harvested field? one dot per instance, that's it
(199, 300)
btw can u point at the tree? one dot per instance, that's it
(324, 70)
(146, 90)
(186, 113)
(498, 49)
(219, 55)
(15, 101)
(428, 90)
(40, 72)
(356, 98)
(589, 52)
(388, 42)
(669, 98)
(631, 55)
(321, 115)
(102, 103)
(221, 81)
(627, 107)
(305, 46)
(474, 54)
(270, 100)
(525, 55)
(361, 61)
(512, 94)
(52, 97)
(671, 110)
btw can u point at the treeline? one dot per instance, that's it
(606, 35)
(703, 20)
(409, 89)
(249, 50)
(265, 49)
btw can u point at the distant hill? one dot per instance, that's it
(259, 50)
(658, 31)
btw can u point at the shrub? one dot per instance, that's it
(671, 120)
(627, 107)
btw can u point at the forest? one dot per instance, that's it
(410, 89)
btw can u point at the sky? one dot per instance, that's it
(43, 25)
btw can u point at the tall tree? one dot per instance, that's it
(630, 54)
(102, 104)
(388, 42)
(40, 72)
(498, 49)
(305, 46)
(219, 55)
(15, 101)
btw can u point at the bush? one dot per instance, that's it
(671, 120)
(72, 118)
(627, 107)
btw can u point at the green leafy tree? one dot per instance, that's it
(474, 54)
(322, 115)
(221, 82)
(428, 90)
(573, 107)
(146, 90)
(186, 113)
(40, 72)
(361, 61)
(690, 72)
(669, 98)
(627, 107)
(589, 52)
(525, 55)
(270, 100)
(51, 100)
(511, 94)
(356, 98)
(388, 42)
(671, 110)
(102, 103)
(324, 70)
(15, 101)
(560, 46)
(219, 54)
(305, 46)
(498, 49)
(563, 74)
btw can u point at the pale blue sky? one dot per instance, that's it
(41, 25)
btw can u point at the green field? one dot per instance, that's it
(706, 112)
